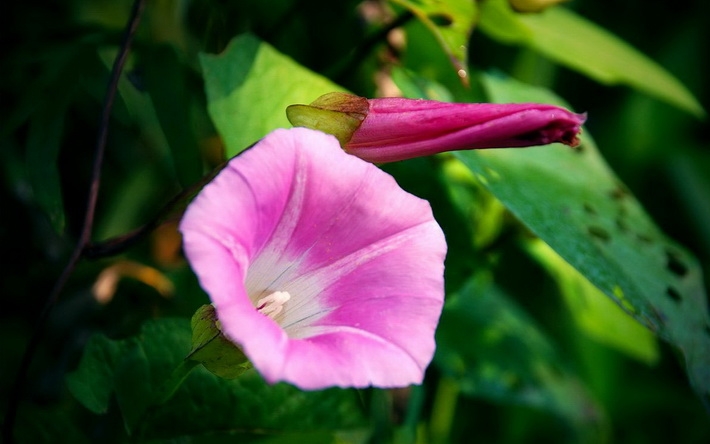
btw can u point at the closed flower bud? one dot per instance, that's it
(392, 129)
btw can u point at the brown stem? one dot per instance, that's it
(174, 208)
(85, 235)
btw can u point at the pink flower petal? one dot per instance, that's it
(361, 259)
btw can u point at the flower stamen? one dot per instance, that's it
(273, 304)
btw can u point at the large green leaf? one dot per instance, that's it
(494, 350)
(451, 23)
(573, 41)
(135, 368)
(573, 202)
(250, 85)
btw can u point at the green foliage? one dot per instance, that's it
(595, 313)
(505, 357)
(42, 152)
(573, 202)
(166, 81)
(576, 308)
(451, 24)
(135, 370)
(571, 40)
(249, 87)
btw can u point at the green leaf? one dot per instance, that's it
(493, 350)
(575, 204)
(249, 404)
(485, 214)
(451, 23)
(571, 40)
(136, 368)
(127, 205)
(268, 437)
(250, 85)
(594, 313)
(43, 143)
(93, 382)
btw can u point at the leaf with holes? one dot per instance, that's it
(573, 202)
(451, 22)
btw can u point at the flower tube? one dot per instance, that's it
(320, 268)
(392, 129)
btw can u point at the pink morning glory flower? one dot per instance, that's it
(319, 266)
(392, 129)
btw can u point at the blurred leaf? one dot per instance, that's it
(451, 22)
(136, 367)
(46, 105)
(573, 41)
(690, 181)
(43, 144)
(165, 79)
(129, 203)
(135, 106)
(595, 314)
(573, 202)
(267, 437)
(250, 85)
(533, 5)
(93, 382)
(424, 59)
(414, 86)
(53, 425)
(489, 345)
(485, 213)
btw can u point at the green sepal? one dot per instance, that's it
(336, 113)
(212, 349)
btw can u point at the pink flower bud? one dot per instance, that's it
(392, 129)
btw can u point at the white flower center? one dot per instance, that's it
(273, 304)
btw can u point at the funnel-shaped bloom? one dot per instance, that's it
(320, 267)
(391, 129)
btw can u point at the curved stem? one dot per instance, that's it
(87, 226)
